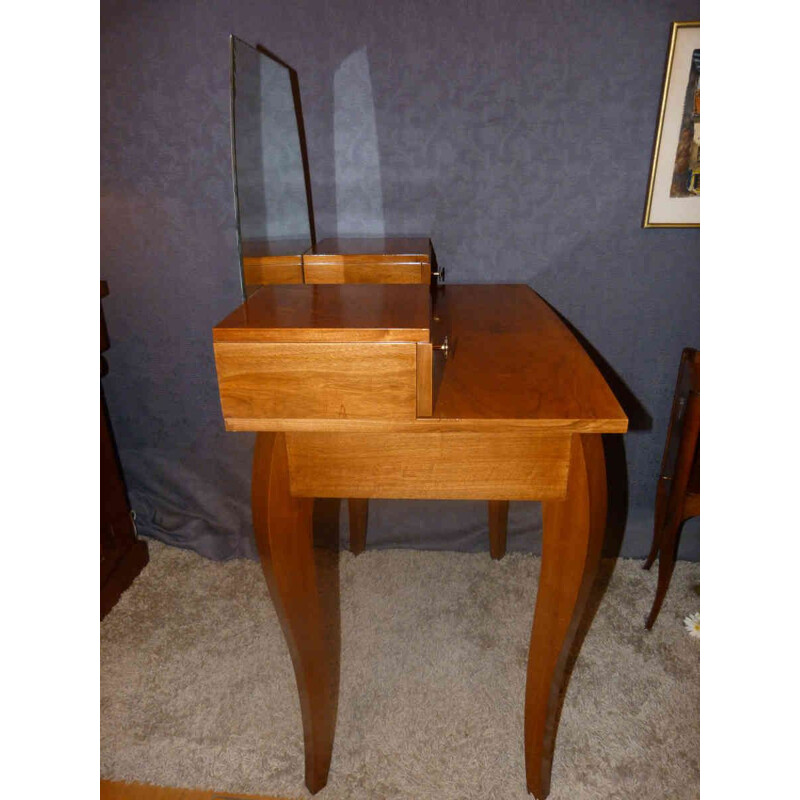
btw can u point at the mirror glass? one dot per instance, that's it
(269, 173)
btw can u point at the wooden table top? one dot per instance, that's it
(331, 313)
(512, 362)
(512, 359)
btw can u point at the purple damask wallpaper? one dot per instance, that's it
(516, 134)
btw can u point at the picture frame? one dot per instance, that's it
(673, 193)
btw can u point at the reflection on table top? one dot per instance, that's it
(512, 362)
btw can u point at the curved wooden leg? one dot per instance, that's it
(666, 565)
(658, 521)
(358, 509)
(571, 545)
(498, 527)
(283, 529)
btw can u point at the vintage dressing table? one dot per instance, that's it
(403, 388)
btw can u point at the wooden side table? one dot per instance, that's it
(337, 392)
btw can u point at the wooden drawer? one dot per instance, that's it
(366, 269)
(266, 262)
(369, 260)
(391, 260)
(317, 381)
(269, 270)
(327, 352)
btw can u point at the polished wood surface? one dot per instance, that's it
(284, 535)
(327, 352)
(330, 314)
(498, 466)
(369, 260)
(498, 527)
(273, 261)
(678, 489)
(391, 260)
(572, 539)
(424, 379)
(118, 790)
(513, 359)
(513, 365)
(365, 269)
(517, 409)
(317, 381)
(273, 271)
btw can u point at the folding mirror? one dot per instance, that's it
(272, 189)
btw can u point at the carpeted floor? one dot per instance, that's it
(198, 689)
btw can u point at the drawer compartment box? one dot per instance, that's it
(327, 352)
(376, 260)
(267, 262)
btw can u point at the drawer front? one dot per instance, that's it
(366, 269)
(317, 381)
(277, 269)
(512, 465)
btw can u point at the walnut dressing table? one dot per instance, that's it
(351, 398)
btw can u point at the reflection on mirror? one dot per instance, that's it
(271, 187)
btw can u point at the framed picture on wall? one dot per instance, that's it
(673, 195)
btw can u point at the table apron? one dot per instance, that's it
(510, 465)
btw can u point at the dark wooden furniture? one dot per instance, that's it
(518, 409)
(122, 555)
(678, 490)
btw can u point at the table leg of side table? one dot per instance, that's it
(358, 510)
(284, 534)
(498, 527)
(572, 541)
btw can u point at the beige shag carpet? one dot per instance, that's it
(198, 689)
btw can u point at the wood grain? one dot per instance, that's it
(366, 269)
(516, 415)
(427, 424)
(117, 790)
(513, 365)
(424, 379)
(284, 535)
(389, 260)
(514, 359)
(277, 381)
(571, 545)
(331, 314)
(498, 466)
(274, 270)
(267, 261)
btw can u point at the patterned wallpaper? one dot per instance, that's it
(517, 134)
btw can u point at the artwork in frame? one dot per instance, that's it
(673, 196)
